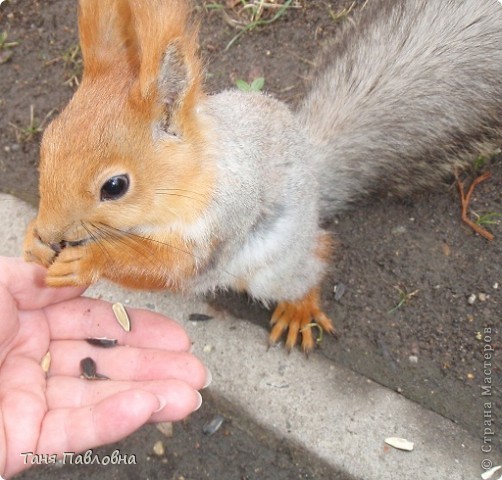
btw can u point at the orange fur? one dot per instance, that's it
(298, 317)
(106, 130)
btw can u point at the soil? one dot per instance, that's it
(418, 294)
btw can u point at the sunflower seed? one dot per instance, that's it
(199, 317)
(488, 474)
(400, 443)
(339, 291)
(46, 362)
(121, 316)
(88, 370)
(213, 426)
(102, 342)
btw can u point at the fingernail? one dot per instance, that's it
(209, 378)
(199, 402)
(162, 403)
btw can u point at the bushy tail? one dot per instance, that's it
(405, 93)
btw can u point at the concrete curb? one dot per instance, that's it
(337, 415)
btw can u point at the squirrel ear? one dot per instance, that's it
(105, 34)
(169, 74)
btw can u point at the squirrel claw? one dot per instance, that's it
(299, 318)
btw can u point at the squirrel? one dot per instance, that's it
(149, 182)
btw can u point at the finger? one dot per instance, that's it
(76, 430)
(127, 363)
(85, 317)
(177, 398)
(21, 413)
(26, 283)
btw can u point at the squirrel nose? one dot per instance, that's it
(54, 245)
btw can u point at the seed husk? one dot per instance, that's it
(211, 427)
(122, 316)
(89, 370)
(166, 428)
(199, 317)
(400, 443)
(46, 362)
(102, 342)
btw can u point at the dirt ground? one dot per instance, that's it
(420, 288)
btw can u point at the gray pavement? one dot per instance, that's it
(331, 412)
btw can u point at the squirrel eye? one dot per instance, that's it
(114, 188)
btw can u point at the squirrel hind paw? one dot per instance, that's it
(300, 317)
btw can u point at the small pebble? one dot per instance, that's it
(495, 286)
(482, 297)
(446, 249)
(471, 299)
(413, 359)
(207, 348)
(5, 56)
(399, 230)
(158, 448)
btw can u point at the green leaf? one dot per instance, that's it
(258, 84)
(242, 85)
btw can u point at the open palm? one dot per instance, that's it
(152, 375)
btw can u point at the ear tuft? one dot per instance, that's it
(170, 74)
(173, 76)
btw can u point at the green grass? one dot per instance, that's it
(404, 297)
(490, 218)
(340, 14)
(253, 11)
(73, 64)
(4, 43)
(28, 132)
(6, 48)
(255, 86)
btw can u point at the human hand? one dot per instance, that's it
(153, 376)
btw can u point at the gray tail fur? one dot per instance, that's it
(402, 95)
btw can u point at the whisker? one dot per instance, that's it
(118, 238)
(95, 238)
(168, 192)
(183, 190)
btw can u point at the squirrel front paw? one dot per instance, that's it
(67, 265)
(35, 250)
(298, 318)
(70, 268)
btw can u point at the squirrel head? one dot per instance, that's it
(131, 137)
